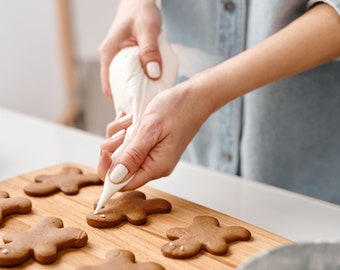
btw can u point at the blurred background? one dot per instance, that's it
(49, 60)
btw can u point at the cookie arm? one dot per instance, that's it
(63, 238)
(181, 248)
(40, 189)
(13, 254)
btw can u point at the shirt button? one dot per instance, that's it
(227, 156)
(229, 6)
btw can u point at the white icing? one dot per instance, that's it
(108, 191)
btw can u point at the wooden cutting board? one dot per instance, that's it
(144, 241)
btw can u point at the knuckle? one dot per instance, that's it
(106, 52)
(103, 48)
(150, 50)
(167, 170)
(102, 51)
(169, 167)
(134, 156)
(107, 93)
(166, 167)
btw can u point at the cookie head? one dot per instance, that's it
(131, 206)
(69, 180)
(123, 260)
(206, 234)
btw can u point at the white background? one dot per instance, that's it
(31, 78)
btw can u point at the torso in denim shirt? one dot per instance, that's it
(288, 132)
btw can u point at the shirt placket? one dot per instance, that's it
(232, 36)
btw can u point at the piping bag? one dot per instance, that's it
(132, 90)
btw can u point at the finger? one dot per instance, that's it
(151, 59)
(114, 141)
(104, 164)
(149, 50)
(121, 123)
(107, 50)
(133, 155)
(104, 77)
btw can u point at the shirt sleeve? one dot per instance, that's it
(333, 3)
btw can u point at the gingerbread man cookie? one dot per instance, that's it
(17, 205)
(41, 242)
(131, 206)
(122, 260)
(68, 180)
(205, 233)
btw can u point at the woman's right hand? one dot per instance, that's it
(137, 23)
(169, 123)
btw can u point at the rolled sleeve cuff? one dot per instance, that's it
(334, 4)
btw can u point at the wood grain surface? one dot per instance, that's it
(144, 241)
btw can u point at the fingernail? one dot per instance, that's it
(118, 174)
(125, 118)
(153, 70)
(117, 134)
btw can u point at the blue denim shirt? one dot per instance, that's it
(287, 133)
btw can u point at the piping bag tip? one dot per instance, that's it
(108, 191)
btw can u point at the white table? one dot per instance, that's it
(29, 144)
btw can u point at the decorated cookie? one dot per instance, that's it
(130, 206)
(68, 180)
(9, 206)
(122, 260)
(205, 233)
(41, 242)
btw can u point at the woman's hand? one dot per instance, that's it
(169, 123)
(137, 23)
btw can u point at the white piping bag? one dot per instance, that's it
(132, 90)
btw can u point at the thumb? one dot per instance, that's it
(150, 55)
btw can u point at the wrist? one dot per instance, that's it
(198, 94)
(210, 89)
